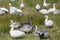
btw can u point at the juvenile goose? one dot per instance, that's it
(48, 23)
(14, 24)
(16, 33)
(45, 4)
(27, 26)
(37, 7)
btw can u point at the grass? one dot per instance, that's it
(38, 19)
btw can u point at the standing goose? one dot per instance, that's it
(16, 33)
(45, 4)
(14, 24)
(27, 26)
(22, 5)
(48, 23)
(37, 7)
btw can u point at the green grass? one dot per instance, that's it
(38, 19)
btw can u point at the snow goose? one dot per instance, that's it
(45, 4)
(22, 5)
(14, 24)
(27, 26)
(37, 7)
(54, 10)
(48, 23)
(14, 10)
(3, 10)
(16, 33)
(44, 11)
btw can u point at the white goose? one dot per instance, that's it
(14, 10)
(22, 5)
(45, 4)
(14, 24)
(16, 33)
(37, 7)
(48, 22)
(44, 11)
(3, 10)
(54, 10)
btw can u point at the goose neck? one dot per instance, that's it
(35, 28)
(12, 28)
(46, 19)
(54, 7)
(44, 1)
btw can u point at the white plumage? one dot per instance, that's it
(14, 24)
(37, 6)
(44, 11)
(48, 22)
(45, 4)
(54, 10)
(16, 33)
(22, 5)
(3, 10)
(14, 10)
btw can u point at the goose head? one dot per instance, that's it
(46, 16)
(10, 4)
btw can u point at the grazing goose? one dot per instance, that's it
(16, 33)
(45, 4)
(14, 10)
(22, 5)
(14, 24)
(44, 11)
(54, 10)
(48, 22)
(27, 26)
(37, 7)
